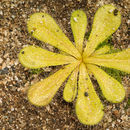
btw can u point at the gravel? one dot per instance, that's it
(16, 113)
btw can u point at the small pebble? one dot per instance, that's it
(4, 71)
(1, 60)
(0, 100)
(128, 21)
(116, 113)
(13, 16)
(12, 109)
(1, 12)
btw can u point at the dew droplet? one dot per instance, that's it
(75, 19)
(113, 28)
(41, 21)
(111, 10)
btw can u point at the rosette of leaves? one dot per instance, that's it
(79, 62)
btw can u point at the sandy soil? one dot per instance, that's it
(16, 113)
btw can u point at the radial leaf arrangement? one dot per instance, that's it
(79, 63)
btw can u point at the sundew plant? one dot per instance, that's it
(79, 63)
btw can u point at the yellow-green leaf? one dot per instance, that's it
(121, 55)
(112, 90)
(89, 108)
(70, 89)
(41, 93)
(106, 21)
(78, 25)
(43, 27)
(119, 60)
(36, 57)
(101, 50)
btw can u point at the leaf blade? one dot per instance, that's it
(106, 21)
(36, 57)
(41, 93)
(78, 26)
(43, 27)
(112, 90)
(119, 60)
(70, 89)
(88, 107)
